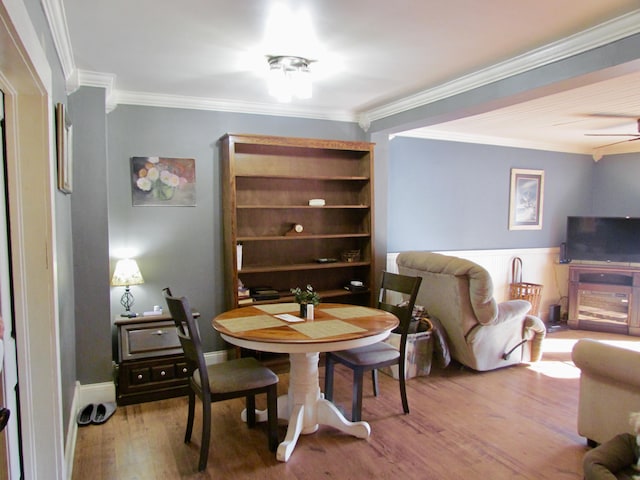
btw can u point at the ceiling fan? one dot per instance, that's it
(636, 136)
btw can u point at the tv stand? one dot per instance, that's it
(604, 298)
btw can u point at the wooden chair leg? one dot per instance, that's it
(251, 411)
(190, 416)
(206, 434)
(374, 379)
(272, 417)
(328, 378)
(356, 406)
(403, 387)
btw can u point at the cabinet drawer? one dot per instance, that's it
(140, 375)
(182, 370)
(163, 372)
(148, 340)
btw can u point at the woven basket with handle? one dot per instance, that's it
(519, 290)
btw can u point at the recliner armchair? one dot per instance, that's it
(481, 333)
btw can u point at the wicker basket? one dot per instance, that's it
(519, 290)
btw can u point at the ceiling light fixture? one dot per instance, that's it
(289, 77)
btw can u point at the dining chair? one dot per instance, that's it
(243, 377)
(381, 354)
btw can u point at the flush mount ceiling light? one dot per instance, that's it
(289, 77)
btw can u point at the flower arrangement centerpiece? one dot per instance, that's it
(304, 297)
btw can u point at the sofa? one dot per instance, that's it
(481, 333)
(609, 389)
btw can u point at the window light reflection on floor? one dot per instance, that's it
(556, 358)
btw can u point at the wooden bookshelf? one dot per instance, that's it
(267, 184)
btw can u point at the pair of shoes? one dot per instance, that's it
(96, 414)
(4, 417)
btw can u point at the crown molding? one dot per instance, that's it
(594, 37)
(86, 78)
(493, 140)
(57, 20)
(199, 103)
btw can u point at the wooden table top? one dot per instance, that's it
(333, 322)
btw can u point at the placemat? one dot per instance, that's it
(351, 312)
(255, 322)
(326, 328)
(274, 308)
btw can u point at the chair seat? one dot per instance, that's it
(236, 375)
(376, 355)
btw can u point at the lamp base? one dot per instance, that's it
(129, 315)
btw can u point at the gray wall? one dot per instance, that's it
(90, 236)
(455, 196)
(181, 247)
(616, 189)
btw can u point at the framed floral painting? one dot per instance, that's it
(161, 181)
(525, 206)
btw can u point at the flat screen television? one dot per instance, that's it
(605, 239)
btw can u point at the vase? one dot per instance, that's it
(303, 310)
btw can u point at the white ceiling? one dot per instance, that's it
(374, 57)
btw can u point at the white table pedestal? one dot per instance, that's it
(306, 407)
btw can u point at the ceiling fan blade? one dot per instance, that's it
(611, 115)
(611, 134)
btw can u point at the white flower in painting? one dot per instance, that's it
(143, 184)
(153, 174)
(153, 159)
(174, 180)
(169, 178)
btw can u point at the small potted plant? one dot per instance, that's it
(305, 297)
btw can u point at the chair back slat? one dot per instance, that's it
(188, 334)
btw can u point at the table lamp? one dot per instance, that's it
(127, 273)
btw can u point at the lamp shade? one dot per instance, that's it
(126, 273)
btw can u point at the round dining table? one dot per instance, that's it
(278, 328)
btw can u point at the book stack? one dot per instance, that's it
(264, 293)
(244, 295)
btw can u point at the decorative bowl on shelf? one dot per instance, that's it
(350, 256)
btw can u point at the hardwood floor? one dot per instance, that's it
(514, 423)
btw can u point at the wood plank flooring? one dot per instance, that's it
(514, 423)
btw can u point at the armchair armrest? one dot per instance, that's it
(511, 309)
(533, 328)
(600, 359)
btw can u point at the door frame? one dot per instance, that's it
(27, 84)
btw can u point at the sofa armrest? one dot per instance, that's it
(600, 359)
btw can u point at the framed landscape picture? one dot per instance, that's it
(526, 200)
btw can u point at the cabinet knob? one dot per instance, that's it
(185, 369)
(158, 332)
(139, 376)
(163, 373)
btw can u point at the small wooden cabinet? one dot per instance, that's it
(268, 183)
(604, 298)
(150, 363)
